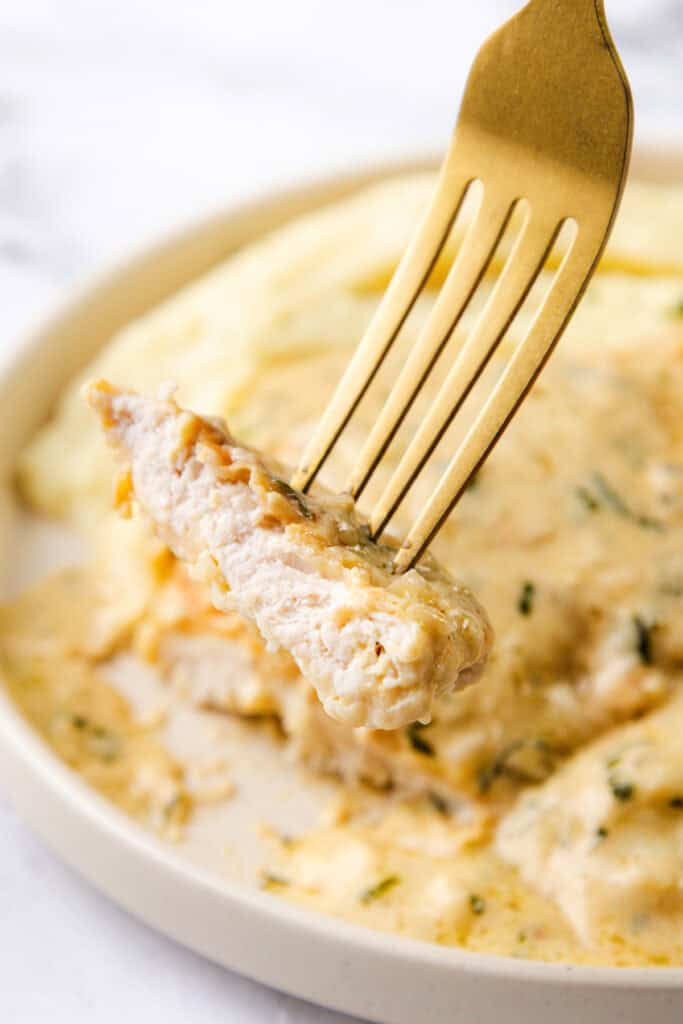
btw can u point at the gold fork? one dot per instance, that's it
(546, 121)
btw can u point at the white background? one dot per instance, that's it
(120, 118)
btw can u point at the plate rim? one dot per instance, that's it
(46, 791)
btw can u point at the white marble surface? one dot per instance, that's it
(119, 118)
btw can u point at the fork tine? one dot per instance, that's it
(521, 270)
(472, 261)
(524, 366)
(399, 298)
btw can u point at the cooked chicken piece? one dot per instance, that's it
(217, 660)
(603, 837)
(377, 647)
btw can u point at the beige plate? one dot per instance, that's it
(199, 892)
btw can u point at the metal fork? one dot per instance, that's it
(547, 121)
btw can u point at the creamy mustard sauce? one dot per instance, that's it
(499, 825)
(571, 538)
(52, 641)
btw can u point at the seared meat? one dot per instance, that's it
(377, 647)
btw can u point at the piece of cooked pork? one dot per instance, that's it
(377, 647)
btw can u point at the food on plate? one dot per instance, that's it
(604, 836)
(377, 647)
(509, 822)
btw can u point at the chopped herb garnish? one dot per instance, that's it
(644, 639)
(294, 496)
(525, 603)
(477, 904)
(676, 803)
(677, 311)
(622, 791)
(610, 497)
(521, 936)
(438, 803)
(613, 500)
(102, 742)
(585, 496)
(601, 832)
(375, 892)
(524, 761)
(417, 740)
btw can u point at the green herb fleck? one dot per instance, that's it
(417, 740)
(438, 803)
(292, 495)
(644, 634)
(587, 499)
(676, 803)
(376, 892)
(622, 791)
(601, 832)
(677, 310)
(100, 741)
(477, 904)
(521, 936)
(524, 761)
(525, 602)
(613, 500)
(610, 497)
